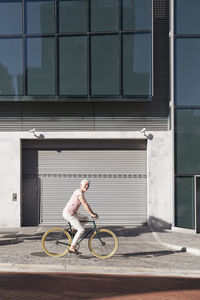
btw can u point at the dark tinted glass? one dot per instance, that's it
(187, 141)
(72, 15)
(137, 64)
(187, 16)
(11, 67)
(137, 14)
(104, 15)
(105, 65)
(39, 16)
(40, 66)
(187, 71)
(184, 202)
(10, 17)
(73, 65)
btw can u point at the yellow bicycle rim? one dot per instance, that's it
(44, 239)
(115, 244)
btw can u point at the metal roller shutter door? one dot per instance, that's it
(118, 184)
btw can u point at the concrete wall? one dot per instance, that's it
(9, 180)
(158, 170)
(160, 179)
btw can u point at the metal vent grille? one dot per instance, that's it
(82, 176)
(161, 8)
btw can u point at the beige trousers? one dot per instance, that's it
(75, 222)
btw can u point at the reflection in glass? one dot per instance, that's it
(187, 19)
(137, 14)
(39, 16)
(72, 15)
(187, 71)
(11, 17)
(184, 203)
(187, 141)
(105, 65)
(104, 15)
(137, 64)
(73, 65)
(11, 67)
(40, 66)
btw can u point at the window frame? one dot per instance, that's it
(12, 38)
(27, 41)
(186, 36)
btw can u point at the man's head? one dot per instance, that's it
(85, 183)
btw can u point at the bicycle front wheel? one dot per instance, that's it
(103, 244)
(56, 242)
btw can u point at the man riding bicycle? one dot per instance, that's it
(71, 209)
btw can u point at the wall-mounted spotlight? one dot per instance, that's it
(143, 130)
(148, 136)
(33, 131)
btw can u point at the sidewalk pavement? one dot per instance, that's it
(176, 240)
(141, 251)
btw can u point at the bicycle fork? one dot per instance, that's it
(102, 243)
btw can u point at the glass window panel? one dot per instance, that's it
(184, 203)
(41, 66)
(137, 63)
(187, 16)
(39, 16)
(73, 65)
(104, 15)
(105, 65)
(187, 71)
(11, 17)
(11, 67)
(137, 14)
(72, 15)
(187, 141)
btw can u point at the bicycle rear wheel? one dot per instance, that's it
(56, 242)
(103, 244)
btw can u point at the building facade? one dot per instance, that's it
(88, 76)
(187, 110)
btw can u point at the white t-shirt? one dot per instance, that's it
(74, 203)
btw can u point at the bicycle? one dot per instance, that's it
(102, 243)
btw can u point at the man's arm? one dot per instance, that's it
(87, 207)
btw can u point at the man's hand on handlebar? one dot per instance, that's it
(95, 216)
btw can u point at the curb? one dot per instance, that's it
(98, 270)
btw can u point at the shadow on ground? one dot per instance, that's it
(157, 224)
(37, 236)
(147, 254)
(39, 254)
(120, 231)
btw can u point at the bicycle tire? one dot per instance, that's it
(51, 244)
(103, 243)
